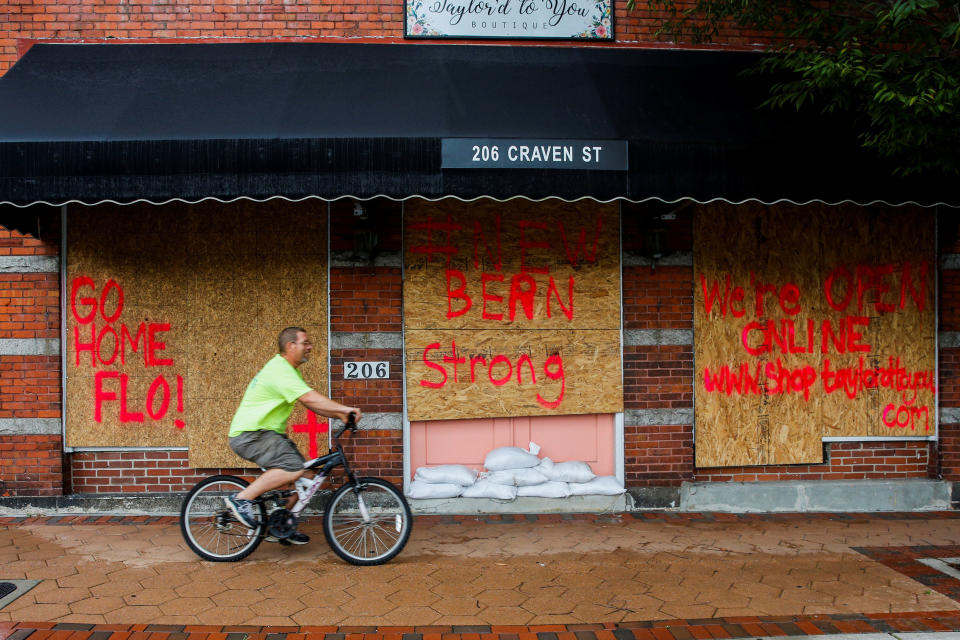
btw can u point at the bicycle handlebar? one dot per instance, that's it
(350, 424)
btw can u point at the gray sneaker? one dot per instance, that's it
(296, 538)
(243, 510)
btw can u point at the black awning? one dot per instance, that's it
(155, 122)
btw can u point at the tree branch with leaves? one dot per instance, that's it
(894, 66)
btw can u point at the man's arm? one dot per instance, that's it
(324, 406)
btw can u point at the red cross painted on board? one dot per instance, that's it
(312, 427)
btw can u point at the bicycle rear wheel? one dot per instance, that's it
(367, 522)
(210, 528)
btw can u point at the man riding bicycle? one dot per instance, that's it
(258, 432)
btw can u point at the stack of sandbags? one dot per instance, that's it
(506, 465)
(513, 472)
(444, 481)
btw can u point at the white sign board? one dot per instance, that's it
(366, 370)
(563, 19)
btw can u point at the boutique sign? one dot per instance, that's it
(563, 19)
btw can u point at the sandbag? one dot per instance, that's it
(599, 486)
(566, 471)
(486, 489)
(549, 489)
(546, 468)
(517, 477)
(447, 474)
(420, 490)
(510, 458)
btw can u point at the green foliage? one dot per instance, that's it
(894, 65)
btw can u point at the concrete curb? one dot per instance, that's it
(166, 504)
(731, 497)
(825, 496)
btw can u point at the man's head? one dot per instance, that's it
(295, 345)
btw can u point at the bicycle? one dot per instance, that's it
(367, 521)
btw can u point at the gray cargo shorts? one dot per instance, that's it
(268, 449)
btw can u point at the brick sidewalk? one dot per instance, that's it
(719, 628)
(643, 576)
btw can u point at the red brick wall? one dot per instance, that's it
(376, 452)
(14, 243)
(948, 387)
(372, 396)
(29, 386)
(137, 472)
(657, 455)
(949, 451)
(658, 298)
(365, 299)
(308, 20)
(371, 452)
(657, 376)
(949, 382)
(29, 302)
(844, 461)
(30, 465)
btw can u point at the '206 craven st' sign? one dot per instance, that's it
(509, 153)
(566, 19)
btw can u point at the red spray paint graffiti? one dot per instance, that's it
(101, 340)
(856, 292)
(312, 428)
(475, 285)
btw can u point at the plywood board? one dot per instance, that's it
(125, 284)
(217, 282)
(534, 283)
(528, 251)
(512, 373)
(809, 322)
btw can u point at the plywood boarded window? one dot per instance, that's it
(511, 309)
(171, 310)
(811, 321)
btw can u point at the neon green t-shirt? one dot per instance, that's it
(268, 401)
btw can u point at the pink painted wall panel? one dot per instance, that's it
(588, 438)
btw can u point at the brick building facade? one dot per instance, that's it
(365, 297)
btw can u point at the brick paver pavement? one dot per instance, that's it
(612, 577)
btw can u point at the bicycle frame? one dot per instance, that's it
(367, 521)
(328, 462)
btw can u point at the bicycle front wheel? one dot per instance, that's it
(367, 522)
(210, 528)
